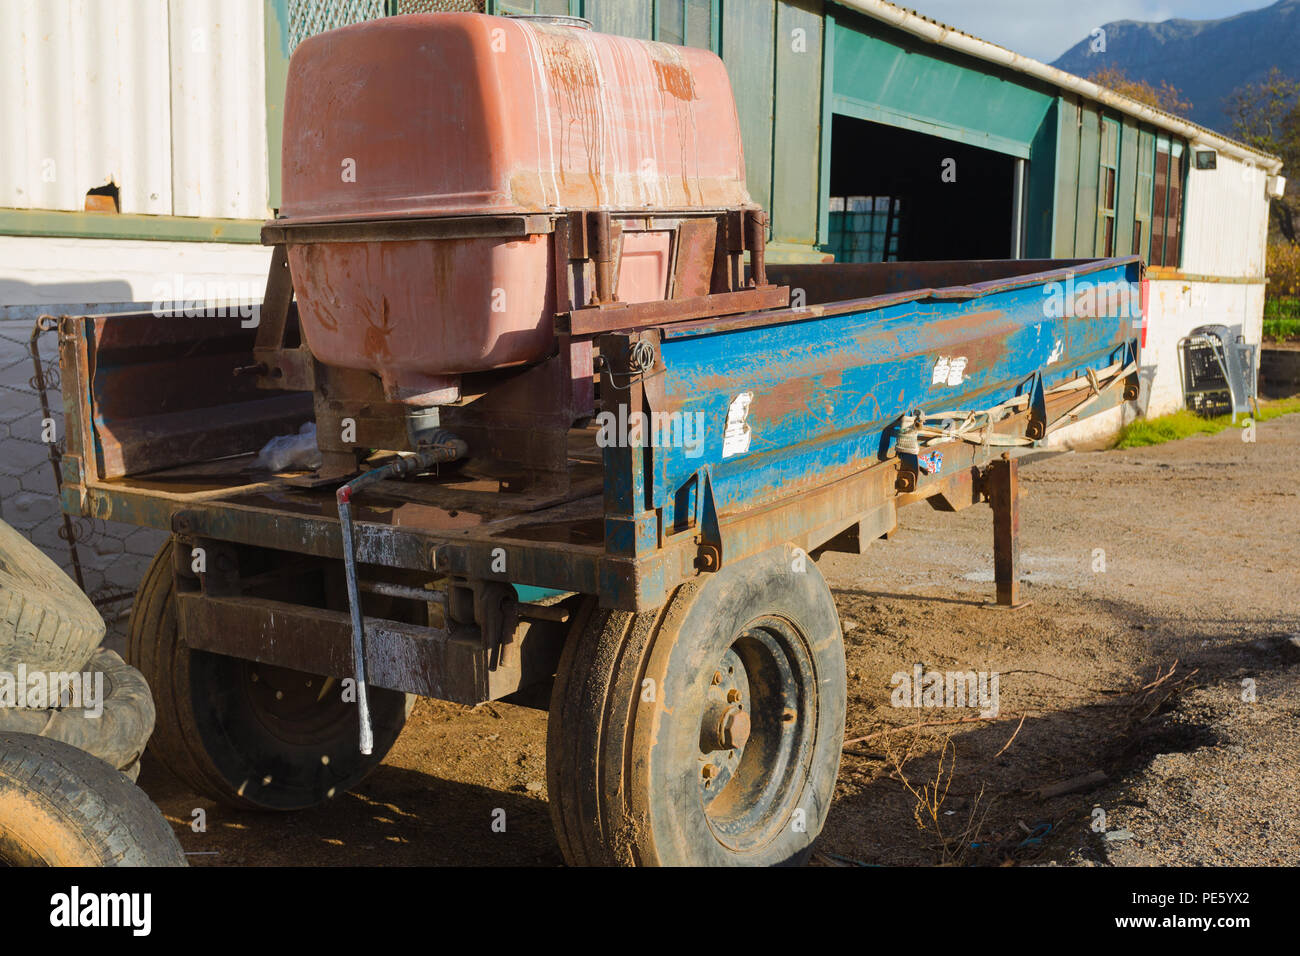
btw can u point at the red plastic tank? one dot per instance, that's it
(469, 122)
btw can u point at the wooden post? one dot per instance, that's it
(1004, 496)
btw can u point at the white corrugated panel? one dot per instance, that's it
(165, 98)
(1227, 220)
(218, 108)
(83, 85)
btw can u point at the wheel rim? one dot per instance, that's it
(296, 707)
(757, 732)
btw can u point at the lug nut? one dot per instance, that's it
(733, 696)
(734, 728)
(709, 771)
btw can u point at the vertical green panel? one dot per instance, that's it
(699, 23)
(797, 130)
(1085, 225)
(824, 167)
(276, 44)
(1128, 155)
(1107, 184)
(1143, 191)
(747, 38)
(671, 21)
(1040, 197)
(629, 18)
(1067, 177)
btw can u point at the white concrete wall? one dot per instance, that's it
(89, 275)
(1177, 307)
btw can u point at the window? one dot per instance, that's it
(1167, 203)
(865, 228)
(1107, 187)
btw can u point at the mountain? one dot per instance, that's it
(1205, 59)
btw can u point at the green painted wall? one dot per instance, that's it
(747, 44)
(1078, 178)
(887, 76)
(1088, 163)
(796, 134)
(1066, 193)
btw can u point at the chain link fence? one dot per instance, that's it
(309, 17)
(106, 558)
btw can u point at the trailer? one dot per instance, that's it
(606, 498)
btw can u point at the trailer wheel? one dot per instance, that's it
(249, 735)
(62, 807)
(707, 732)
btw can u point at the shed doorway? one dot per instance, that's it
(902, 196)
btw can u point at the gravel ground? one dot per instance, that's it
(1163, 584)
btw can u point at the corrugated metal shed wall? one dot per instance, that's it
(162, 97)
(1226, 220)
(218, 109)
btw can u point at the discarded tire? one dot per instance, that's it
(62, 807)
(707, 732)
(249, 735)
(45, 620)
(114, 727)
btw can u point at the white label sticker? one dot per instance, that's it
(735, 440)
(955, 369)
(948, 371)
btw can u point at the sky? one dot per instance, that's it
(1044, 29)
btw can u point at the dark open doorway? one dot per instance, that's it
(890, 201)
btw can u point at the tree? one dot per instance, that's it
(1164, 97)
(1266, 116)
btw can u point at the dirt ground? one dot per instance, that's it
(1164, 585)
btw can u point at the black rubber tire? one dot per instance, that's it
(46, 622)
(624, 773)
(117, 735)
(62, 807)
(212, 733)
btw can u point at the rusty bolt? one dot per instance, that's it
(708, 558)
(709, 771)
(717, 678)
(733, 696)
(734, 728)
